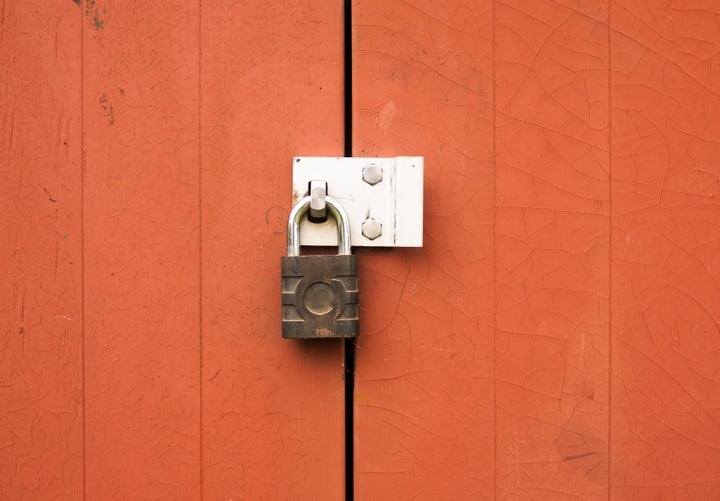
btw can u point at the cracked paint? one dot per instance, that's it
(40, 275)
(273, 410)
(556, 337)
(141, 252)
(424, 389)
(594, 335)
(551, 251)
(666, 239)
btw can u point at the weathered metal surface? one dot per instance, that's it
(319, 297)
(319, 293)
(388, 190)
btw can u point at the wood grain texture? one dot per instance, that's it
(666, 250)
(422, 85)
(273, 409)
(142, 358)
(556, 337)
(41, 453)
(552, 250)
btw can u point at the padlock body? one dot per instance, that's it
(319, 297)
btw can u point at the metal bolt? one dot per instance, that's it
(372, 174)
(371, 229)
(318, 192)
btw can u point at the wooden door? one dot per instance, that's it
(146, 186)
(555, 338)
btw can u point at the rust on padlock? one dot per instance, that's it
(319, 297)
(319, 293)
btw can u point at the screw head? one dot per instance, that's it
(371, 228)
(372, 174)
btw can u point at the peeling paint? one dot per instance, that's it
(107, 108)
(92, 14)
(97, 22)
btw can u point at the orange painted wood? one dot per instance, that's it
(606, 298)
(423, 85)
(665, 83)
(142, 239)
(273, 409)
(556, 338)
(41, 453)
(551, 250)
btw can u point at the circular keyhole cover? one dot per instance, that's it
(319, 298)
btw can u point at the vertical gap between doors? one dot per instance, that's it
(201, 422)
(494, 252)
(82, 253)
(349, 362)
(610, 249)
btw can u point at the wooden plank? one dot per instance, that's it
(666, 242)
(272, 408)
(142, 357)
(422, 85)
(41, 454)
(552, 249)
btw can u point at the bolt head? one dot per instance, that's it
(372, 174)
(371, 229)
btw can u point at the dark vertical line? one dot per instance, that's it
(200, 240)
(349, 362)
(347, 76)
(610, 253)
(494, 168)
(82, 249)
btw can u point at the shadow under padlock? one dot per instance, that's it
(319, 292)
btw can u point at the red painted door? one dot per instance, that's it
(555, 338)
(145, 152)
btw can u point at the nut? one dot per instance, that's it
(372, 174)
(371, 229)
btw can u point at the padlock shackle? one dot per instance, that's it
(334, 208)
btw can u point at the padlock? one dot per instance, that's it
(319, 293)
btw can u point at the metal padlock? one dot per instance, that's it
(319, 293)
